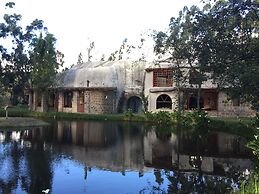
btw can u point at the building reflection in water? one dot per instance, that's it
(218, 152)
(117, 147)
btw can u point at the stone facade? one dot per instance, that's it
(100, 102)
(227, 107)
(94, 102)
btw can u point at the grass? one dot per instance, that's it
(20, 122)
(238, 126)
(22, 112)
(250, 186)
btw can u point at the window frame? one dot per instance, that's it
(163, 73)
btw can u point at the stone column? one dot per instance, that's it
(74, 101)
(60, 101)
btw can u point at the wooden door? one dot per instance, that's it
(80, 102)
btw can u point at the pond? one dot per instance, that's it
(116, 157)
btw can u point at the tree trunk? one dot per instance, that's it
(178, 89)
(199, 97)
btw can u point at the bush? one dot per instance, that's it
(161, 117)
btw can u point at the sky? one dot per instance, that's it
(106, 22)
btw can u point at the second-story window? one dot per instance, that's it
(162, 77)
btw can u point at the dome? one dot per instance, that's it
(119, 74)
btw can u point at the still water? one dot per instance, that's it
(114, 157)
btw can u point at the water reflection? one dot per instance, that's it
(85, 155)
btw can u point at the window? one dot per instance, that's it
(164, 101)
(208, 99)
(236, 101)
(68, 97)
(51, 99)
(162, 77)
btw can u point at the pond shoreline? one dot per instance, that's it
(128, 116)
(231, 125)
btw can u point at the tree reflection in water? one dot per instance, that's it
(205, 172)
(162, 161)
(29, 166)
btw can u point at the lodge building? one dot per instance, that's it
(117, 86)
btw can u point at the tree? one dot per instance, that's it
(45, 60)
(15, 66)
(177, 44)
(89, 50)
(220, 42)
(129, 51)
(229, 37)
(80, 59)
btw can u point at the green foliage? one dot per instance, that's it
(228, 34)
(129, 114)
(145, 101)
(45, 62)
(220, 42)
(180, 43)
(250, 186)
(15, 73)
(254, 143)
(18, 59)
(160, 117)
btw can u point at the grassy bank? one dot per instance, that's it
(22, 112)
(239, 126)
(20, 122)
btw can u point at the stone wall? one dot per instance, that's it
(100, 102)
(226, 107)
(60, 101)
(95, 102)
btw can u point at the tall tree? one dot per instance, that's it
(177, 45)
(222, 40)
(15, 66)
(45, 60)
(228, 33)
(80, 59)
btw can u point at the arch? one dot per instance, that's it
(164, 101)
(134, 103)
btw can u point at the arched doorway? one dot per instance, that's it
(134, 104)
(164, 101)
(193, 103)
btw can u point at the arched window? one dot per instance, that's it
(163, 101)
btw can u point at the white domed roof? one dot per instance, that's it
(119, 74)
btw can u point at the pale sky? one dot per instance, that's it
(106, 22)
